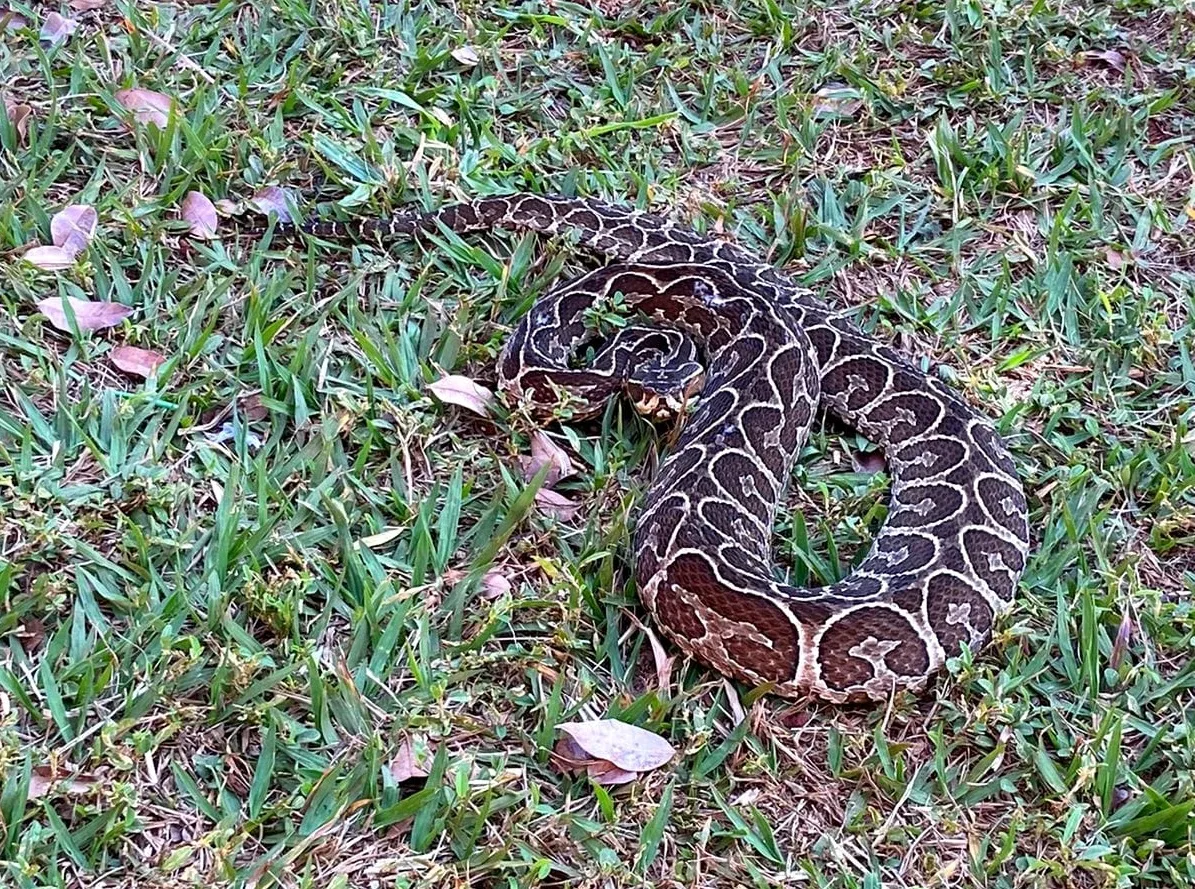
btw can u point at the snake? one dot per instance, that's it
(701, 332)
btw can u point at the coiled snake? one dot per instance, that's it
(760, 354)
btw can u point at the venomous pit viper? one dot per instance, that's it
(761, 354)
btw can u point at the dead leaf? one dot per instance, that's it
(556, 505)
(252, 409)
(32, 633)
(12, 20)
(88, 315)
(86, 5)
(626, 746)
(611, 751)
(200, 213)
(1124, 635)
(495, 584)
(544, 451)
(147, 106)
(18, 116)
(56, 28)
(73, 227)
(662, 660)
(273, 199)
(837, 101)
(132, 360)
(44, 779)
(1114, 258)
(606, 774)
(869, 462)
(408, 764)
(1110, 57)
(466, 55)
(463, 392)
(50, 258)
(372, 541)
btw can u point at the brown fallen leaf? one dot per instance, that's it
(56, 28)
(88, 315)
(837, 101)
(610, 751)
(608, 775)
(148, 107)
(273, 199)
(73, 227)
(32, 633)
(627, 746)
(18, 115)
(1114, 258)
(556, 505)
(11, 19)
(463, 392)
(132, 360)
(408, 764)
(1114, 59)
(869, 462)
(544, 451)
(44, 779)
(86, 5)
(1124, 635)
(50, 258)
(495, 584)
(200, 213)
(466, 55)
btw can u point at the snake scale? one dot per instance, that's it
(745, 356)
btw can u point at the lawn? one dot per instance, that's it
(279, 615)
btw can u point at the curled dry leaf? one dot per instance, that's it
(373, 541)
(410, 763)
(466, 55)
(1124, 635)
(495, 584)
(147, 106)
(1110, 57)
(463, 392)
(43, 780)
(56, 28)
(88, 315)
(544, 451)
(869, 462)
(200, 213)
(11, 19)
(556, 505)
(837, 101)
(132, 360)
(18, 115)
(86, 5)
(50, 258)
(273, 199)
(610, 751)
(73, 227)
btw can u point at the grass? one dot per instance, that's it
(235, 594)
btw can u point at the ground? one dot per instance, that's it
(249, 601)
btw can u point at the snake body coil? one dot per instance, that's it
(761, 355)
